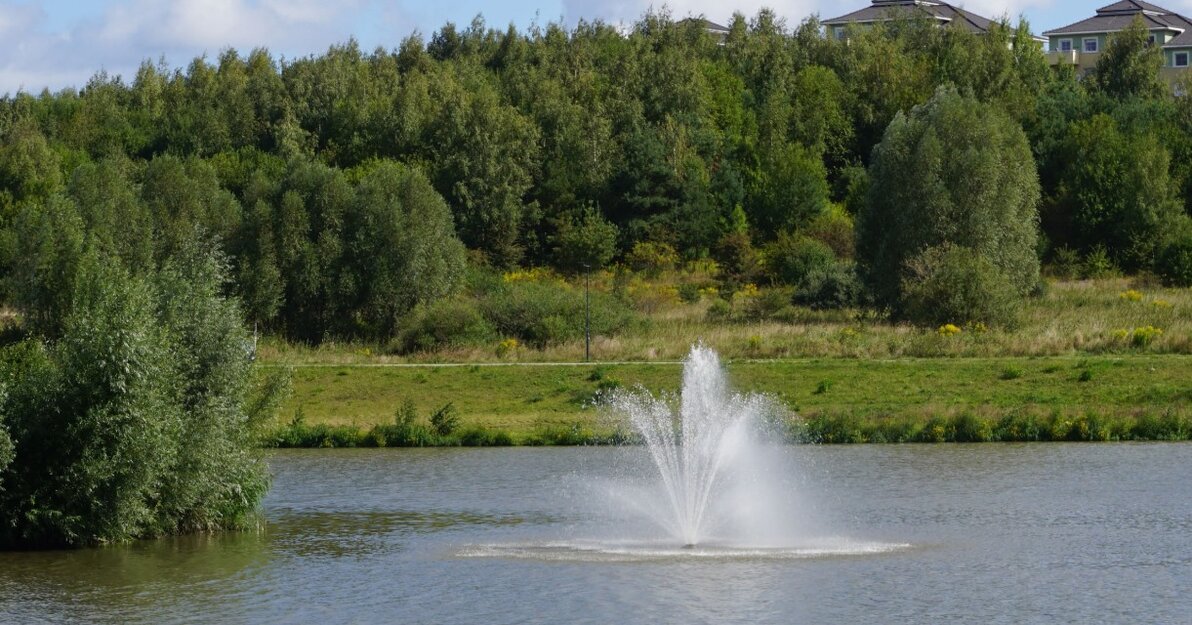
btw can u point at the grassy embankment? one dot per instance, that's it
(1081, 366)
(1083, 398)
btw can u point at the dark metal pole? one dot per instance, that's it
(587, 317)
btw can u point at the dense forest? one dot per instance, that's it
(351, 190)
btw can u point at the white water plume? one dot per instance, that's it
(707, 455)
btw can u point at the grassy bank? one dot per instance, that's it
(1107, 397)
(1092, 317)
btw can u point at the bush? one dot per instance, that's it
(1174, 264)
(140, 420)
(444, 323)
(1065, 263)
(584, 239)
(951, 284)
(445, 420)
(1098, 265)
(543, 313)
(652, 258)
(835, 229)
(791, 259)
(768, 304)
(830, 288)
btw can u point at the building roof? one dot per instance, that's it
(885, 10)
(708, 25)
(1183, 41)
(1119, 15)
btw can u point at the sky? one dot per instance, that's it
(56, 44)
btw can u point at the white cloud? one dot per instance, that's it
(130, 31)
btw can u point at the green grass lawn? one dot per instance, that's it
(520, 399)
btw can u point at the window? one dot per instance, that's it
(838, 31)
(1150, 41)
(1090, 44)
(1180, 59)
(1065, 45)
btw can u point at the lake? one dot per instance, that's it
(995, 533)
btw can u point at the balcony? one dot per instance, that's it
(1082, 60)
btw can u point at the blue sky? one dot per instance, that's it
(61, 43)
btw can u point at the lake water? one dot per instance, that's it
(1047, 533)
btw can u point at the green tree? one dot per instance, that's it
(42, 256)
(139, 420)
(1129, 67)
(401, 247)
(1116, 191)
(953, 171)
(791, 189)
(584, 239)
(29, 169)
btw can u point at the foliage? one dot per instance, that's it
(445, 419)
(1129, 67)
(832, 287)
(443, 323)
(1115, 190)
(584, 241)
(544, 313)
(952, 284)
(1174, 264)
(953, 172)
(139, 420)
(342, 186)
(793, 258)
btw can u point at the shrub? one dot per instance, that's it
(951, 284)
(141, 419)
(445, 419)
(835, 229)
(1174, 264)
(584, 239)
(443, 323)
(689, 292)
(719, 310)
(1098, 265)
(542, 313)
(652, 258)
(830, 288)
(969, 428)
(768, 304)
(791, 258)
(1065, 263)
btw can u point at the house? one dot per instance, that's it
(887, 10)
(1082, 43)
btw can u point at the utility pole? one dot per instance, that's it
(587, 315)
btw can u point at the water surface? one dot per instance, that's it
(948, 533)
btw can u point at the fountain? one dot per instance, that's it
(699, 450)
(706, 480)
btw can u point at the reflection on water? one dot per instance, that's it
(978, 534)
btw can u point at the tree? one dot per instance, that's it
(954, 171)
(1116, 191)
(28, 168)
(401, 248)
(792, 189)
(1130, 65)
(139, 420)
(45, 246)
(585, 239)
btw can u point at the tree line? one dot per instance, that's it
(351, 187)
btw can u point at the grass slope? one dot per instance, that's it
(521, 400)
